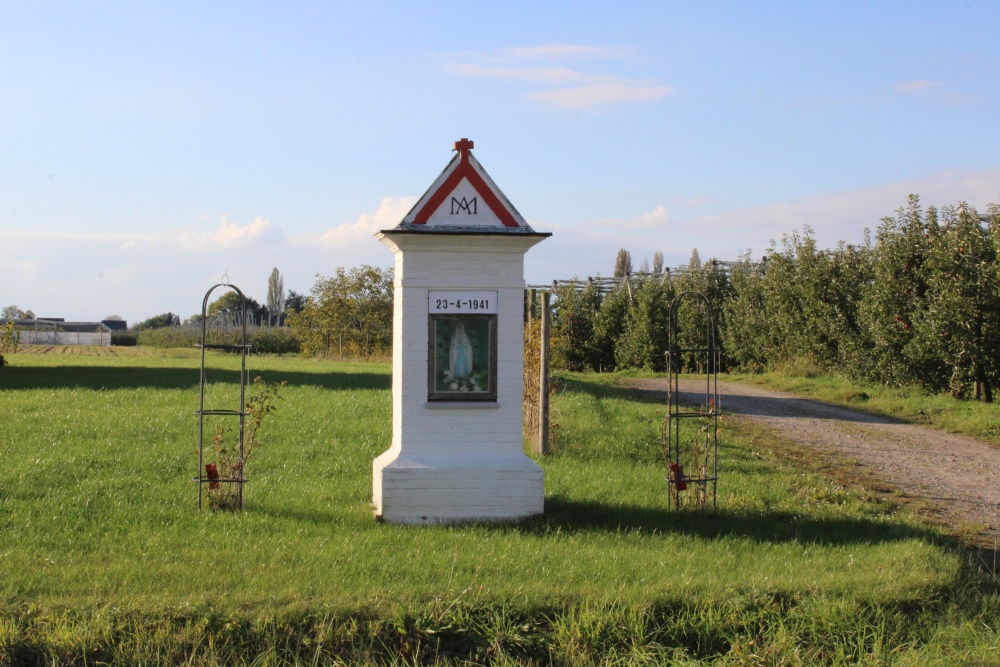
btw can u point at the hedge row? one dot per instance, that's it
(277, 340)
(919, 306)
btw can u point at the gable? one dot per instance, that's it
(465, 196)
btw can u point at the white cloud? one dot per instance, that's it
(844, 215)
(572, 52)
(936, 92)
(657, 218)
(18, 270)
(228, 236)
(589, 97)
(692, 202)
(389, 214)
(952, 99)
(587, 248)
(910, 87)
(75, 236)
(530, 73)
(86, 276)
(576, 89)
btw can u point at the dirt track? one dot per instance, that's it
(956, 475)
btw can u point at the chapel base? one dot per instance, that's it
(450, 489)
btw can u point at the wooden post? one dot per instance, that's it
(531, 305)
(543, 379)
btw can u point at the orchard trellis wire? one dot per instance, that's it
(210, 474)
(695, 447)
(605, 284)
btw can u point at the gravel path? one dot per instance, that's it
(956, 475)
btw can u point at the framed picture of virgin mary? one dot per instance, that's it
(462, 359)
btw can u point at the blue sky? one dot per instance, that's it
(146, 149)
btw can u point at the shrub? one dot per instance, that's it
(709, 280)
(609, 328)
(124, 338)
(171, 337)
(644, 339)
(10, 338)
(574, 316)
(160, 321)
(277, 340)
(920, 306)
(350, 311)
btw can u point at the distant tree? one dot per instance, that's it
(657, 262)
(116, 318)
(902, 348)
(695, 261)
(29, 315)
(275, 297)
(623, 263)
(644, 267)
(167, 319)
(962, 321)
(691, 316)
(10, 337)
(573, 340)
(643, 338)
(747, 316)
(229, 304)
(295, 302)
(800, 305)
(355, 304)
(609, 327)
(12, 313)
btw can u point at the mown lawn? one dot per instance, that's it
(104, 556)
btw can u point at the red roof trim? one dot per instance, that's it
(465, 170)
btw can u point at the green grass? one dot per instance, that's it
(104, 556)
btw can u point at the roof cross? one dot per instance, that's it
(464, 146)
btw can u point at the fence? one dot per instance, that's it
(65, 338)
(57, 332)
(605, 284)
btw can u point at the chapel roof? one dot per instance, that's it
(464, 200)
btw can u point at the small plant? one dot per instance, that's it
(226, 473)
(700, 457)
(10, 338)
(701, 448)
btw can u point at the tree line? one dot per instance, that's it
(920, 305)
(348, 313)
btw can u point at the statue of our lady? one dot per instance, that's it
(460, 353)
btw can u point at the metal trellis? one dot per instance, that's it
(211, 475)
(698, 451)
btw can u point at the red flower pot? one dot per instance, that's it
(212, 471)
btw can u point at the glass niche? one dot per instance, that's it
(463, 358)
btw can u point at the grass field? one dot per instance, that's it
(104, 556)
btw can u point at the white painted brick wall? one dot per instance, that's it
(450, 463)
